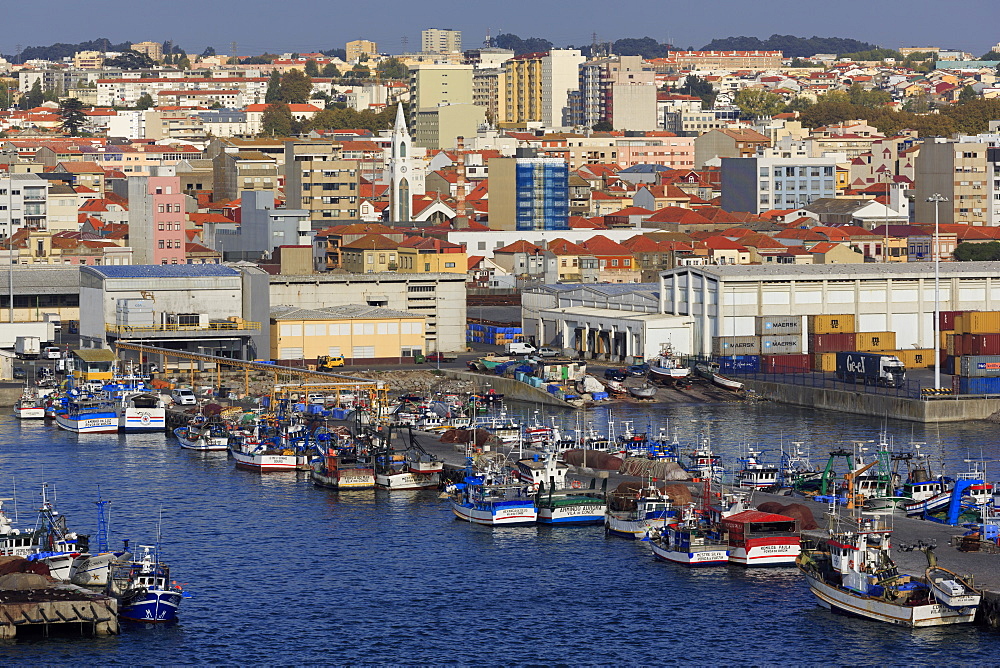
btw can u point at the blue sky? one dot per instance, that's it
(306, 25)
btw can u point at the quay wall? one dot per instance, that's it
(941, 409)
(511, 388)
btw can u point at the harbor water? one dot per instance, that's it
(282, 572)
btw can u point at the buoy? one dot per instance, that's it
(577, 484)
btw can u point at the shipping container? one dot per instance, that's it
(916, 359)
(946, 320)
(831, 324)
(778, 325)
(874, 342)
(981, 322)
(824, 362)
(951, 343)
(780, 345)
(830, 343)
(739, 363)
(735, 345)
(989, 385)
(786, 363)
(959, 323)
(949, 363)
(980, 344)
(944, 338)
(979, 366)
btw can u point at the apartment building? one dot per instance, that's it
(777, 180)
(156, 220)
(529, 193)
(361, 47)
(23, 203)
(436, 84)
(319, 181)
(436, 40)
(962, 172)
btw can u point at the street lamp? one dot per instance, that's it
(937, 198)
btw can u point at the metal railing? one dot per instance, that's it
(130, 330)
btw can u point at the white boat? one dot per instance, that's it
(755, 474)
(632, 514)
(343, 469)
(29, 407)
(689, 542)
(757, 538)
(559, 501)
(492, 501)
(668, 367)
(853, 573)
(206, 436)
(645, 391)
(252, 455)
(88, 415)
(140, 412)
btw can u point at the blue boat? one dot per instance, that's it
(143, 589)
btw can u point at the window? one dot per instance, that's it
(363, 352)
(159, 208)
(315, 330)
(289, 329)
(411, 327)
(388, 328)
(614, 263)
(364, 329)
(160, 227)
(333, 351)
(449, 265)
(290, 353)
(160, 243)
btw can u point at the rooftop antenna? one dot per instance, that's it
(232, 47)
(488, 43)
(404, 41)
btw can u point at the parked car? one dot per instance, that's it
(183, 397)
(548, 352)
(440, 357)
(638, 369)
(615, 374)
(19, 372)
(318, 399)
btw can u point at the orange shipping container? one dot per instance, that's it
(831, 324)
(944, 339)
(825, 362)
(874, 342)
(916, 359)
(981, 322)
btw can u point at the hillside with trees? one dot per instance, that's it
(59, 50)
(790, 45)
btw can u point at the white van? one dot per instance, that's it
(519, 348)
(51, 353)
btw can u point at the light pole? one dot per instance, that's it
(937, 198)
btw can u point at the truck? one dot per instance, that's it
(9, 331)
(27, 347)
(54, 318)
(519, 348)
(870, 369)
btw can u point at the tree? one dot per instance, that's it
(277, 120)
(359, 71)
(521, 46)
(34, 97)
(758, 103)
(602, 126)
(978, 251)
(145, 101)
(5, 96)
(131, 60)
(991, 55)
(858, 94)
(330, 71)
(312, 68)
(393, 68)
(698, 87)
(184, 63)
(295, 87)
(208, 52)
(273, 93)
(798, 103)
(73, 118)
(967, 94)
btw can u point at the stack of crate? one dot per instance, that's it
(832, 334)
(972, 351)
(781, 344)
(498, 336)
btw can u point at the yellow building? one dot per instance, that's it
(429, 255)
(152, 49)
(522, 90)
(360, 47)
(361, 334)
(372, 253)
(88, 60)
(93, 364)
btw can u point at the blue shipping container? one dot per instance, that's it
(982, 385)
(739, 363)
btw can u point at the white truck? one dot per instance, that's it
(27, 347)
(519, 348)
(9, 331)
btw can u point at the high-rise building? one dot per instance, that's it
(560, 76)
(152, 49)
(318, 180)
(156, 220)
(778, 179)
(529, 193)
(360, 47)
(23, 203)
(436, 40)
(961, 171)
(537, 87)
(489, 91)
(619, 90)
(436, 84)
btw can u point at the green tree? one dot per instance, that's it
(967, 94)
(295, 87)
(208, 52)
(73, 118)
(34, 97)
(393, 68)
(359, 71)
(277, 120)
(991, 55)
(602, 126)
(978, 251)
(698, 87)
(145, 101)
(312, 68)
(184, 63)
(798, 103)
(273, 93)
(131, 60)
(758, 103)
(5, 96)
(330, 71)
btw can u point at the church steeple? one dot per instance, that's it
(400, 125)
(400, 169)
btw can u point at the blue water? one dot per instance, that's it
(285, 573)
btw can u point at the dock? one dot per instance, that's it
(30, 605)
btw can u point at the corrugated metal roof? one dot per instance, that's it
(95, 355)
(163, 270)
(345, 312)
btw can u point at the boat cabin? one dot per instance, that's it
(93, 364)
(754, 524)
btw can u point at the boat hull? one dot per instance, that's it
(351, 479)
(406, 480)
(32, 413)
(103, 423)
(710, 556)
(571, 513)
(845, 602)
(137, 420)
(155, 606)
(206, 443)
(766, 552)
(264, 463)
(506, 515)
(92, 570)
(629, 528)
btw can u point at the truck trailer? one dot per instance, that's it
(870, 369)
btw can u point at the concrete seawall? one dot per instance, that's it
(511, 388)
(860, 403)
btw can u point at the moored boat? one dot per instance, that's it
(88, 415)
(492, 501)
(690, 542)
(343, 468)
(559, 501)
(253, 455)
(633, 512)
(143, 589)
(29, 406)
(757, 538)
(208, 435)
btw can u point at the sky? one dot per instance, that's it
(311, 25)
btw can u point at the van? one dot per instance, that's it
(183, 397)
(519, 348)
(51, 353)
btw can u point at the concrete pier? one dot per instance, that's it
(510, 388)
(57, 611)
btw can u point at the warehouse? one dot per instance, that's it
(895, 297)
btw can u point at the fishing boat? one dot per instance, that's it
(88, 414)
(206, 435)
(757, 538)
(143, 589)
(29, 406)
(492, 500)
(644, 391)
(711, 372)
(252, 454)
(343, 468)
(560, 501)
(690, 542)
(853, 573)
(754, 474)
(667, 366)
(141, 411)
(633, 512)
(93, 570)
(411, 468)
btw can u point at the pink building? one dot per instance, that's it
(156, 220)
(657, 149)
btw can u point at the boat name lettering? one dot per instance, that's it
(773, 549)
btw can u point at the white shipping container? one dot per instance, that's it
(780, 345)
(735, 345)
(778, 325)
